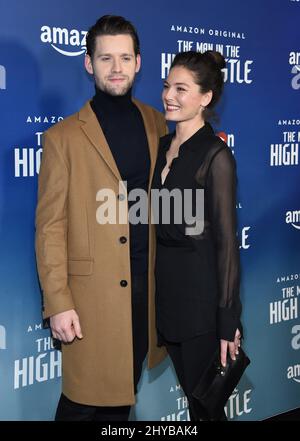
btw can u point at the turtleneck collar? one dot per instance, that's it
(105, 103)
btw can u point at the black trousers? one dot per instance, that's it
(68, 410)
(190, 359)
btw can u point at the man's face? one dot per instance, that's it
(114, 64)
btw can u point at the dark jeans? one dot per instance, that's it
(68, 410)
(190, 359)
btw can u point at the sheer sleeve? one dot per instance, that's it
(221, 188)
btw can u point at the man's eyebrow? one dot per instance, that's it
(109, 54)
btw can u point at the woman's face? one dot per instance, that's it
(182, 98)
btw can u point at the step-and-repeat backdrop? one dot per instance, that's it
(42, 80)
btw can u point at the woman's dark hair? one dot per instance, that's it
(206, 68)
(111, 25)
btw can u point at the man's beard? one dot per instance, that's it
(116, 91)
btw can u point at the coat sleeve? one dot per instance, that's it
(51, 229)
(221, 186)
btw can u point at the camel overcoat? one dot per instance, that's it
(82, 263)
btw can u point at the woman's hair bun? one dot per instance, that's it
(216, 57)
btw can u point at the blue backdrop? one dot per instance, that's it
(42, 79)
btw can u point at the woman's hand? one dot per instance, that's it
(232, 346)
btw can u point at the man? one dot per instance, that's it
(97, 278)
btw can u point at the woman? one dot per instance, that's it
(197, 272)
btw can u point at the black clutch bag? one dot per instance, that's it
(217, 384)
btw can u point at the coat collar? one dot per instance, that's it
(93, 131)
(151, 132)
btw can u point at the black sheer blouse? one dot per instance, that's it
(204, 162)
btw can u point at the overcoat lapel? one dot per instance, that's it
(96, 136)
(93, 131)
(151, 131)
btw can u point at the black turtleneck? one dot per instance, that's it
(124, 130)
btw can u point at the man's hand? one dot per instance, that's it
(232, 346)
(65, 326)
